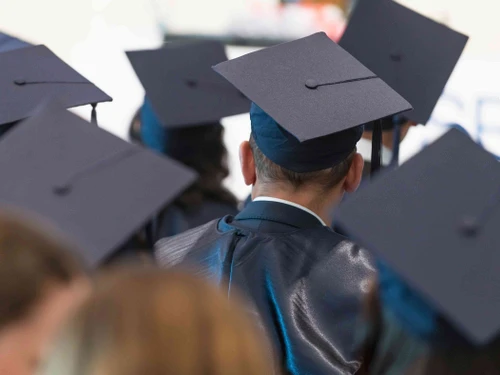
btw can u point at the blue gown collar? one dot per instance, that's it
(280, 213)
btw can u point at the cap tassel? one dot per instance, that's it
(376, 147)
(396, 139)
(150, 237)
(93, 114)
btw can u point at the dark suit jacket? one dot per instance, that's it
(306, 282)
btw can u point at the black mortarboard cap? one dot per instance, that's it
(312, 87)
(95, 187)
(435, 222)
(30, 75)
(9, 43)
(182, 87)
(413, 54)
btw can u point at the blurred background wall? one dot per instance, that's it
(92, 36)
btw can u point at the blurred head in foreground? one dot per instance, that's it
(40, 285)
(158, 323)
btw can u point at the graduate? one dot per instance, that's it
(306, 283)
(433, 226)
(412, 53)
(180, 118)
(95, 188)
(31, 75)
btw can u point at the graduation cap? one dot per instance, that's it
(30, 75)
(434, 222)
(95, 187)
(412, 53)
(9, 43)
(312, 88)
(181, 86)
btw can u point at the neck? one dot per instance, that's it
(321, 204)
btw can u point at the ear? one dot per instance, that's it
(247, 164)
(353, 178)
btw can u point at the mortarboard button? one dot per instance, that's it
(396, 57)
(312, 84)
(469, 226)
(62, 190)
(20, 82)
(192, 83)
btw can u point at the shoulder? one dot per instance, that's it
(209, 210)
(318, 251)
(348, 253)
(333, 259)
(170, 251)
(346, 270)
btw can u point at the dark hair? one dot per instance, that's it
(325, 179)
(30, 261)
(202, 149)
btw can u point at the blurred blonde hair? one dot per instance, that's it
(156, 322)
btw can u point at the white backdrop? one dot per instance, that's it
(91, 35)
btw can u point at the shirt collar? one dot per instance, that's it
(364, 147)
(293, 204)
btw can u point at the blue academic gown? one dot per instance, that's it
(175, 220)
(306, 283)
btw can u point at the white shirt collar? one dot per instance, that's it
(272, 199)
(364, 147)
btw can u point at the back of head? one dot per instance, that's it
(155, 322)
(200, 147)
(270, 173)
(316, 171)
(31, 262)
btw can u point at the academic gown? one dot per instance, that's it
(175, 220)
(305, 282)
(172, 221)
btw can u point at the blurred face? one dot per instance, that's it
(23, 344)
